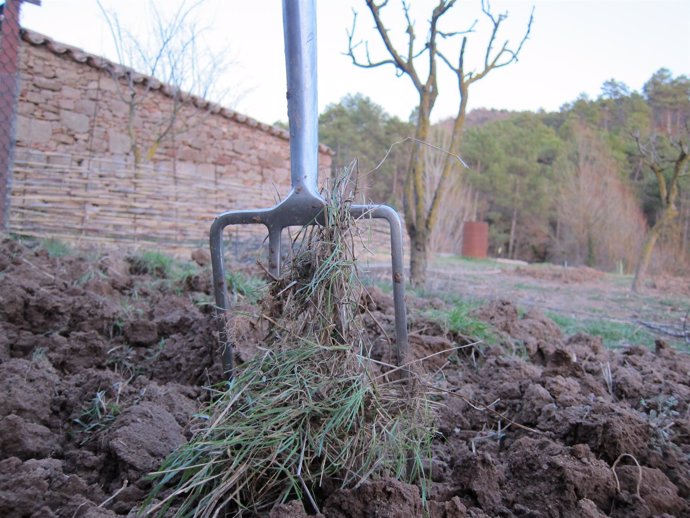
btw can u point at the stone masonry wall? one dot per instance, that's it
(93, 164)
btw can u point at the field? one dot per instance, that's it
(555, 390)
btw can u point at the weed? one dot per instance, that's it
(459, 320)
(38, 355)
(420, 292)
(612, 333)
(89, 275)
(169, 274)
(56, 248)
(525, 286)
(129, 310)
(310, 408)
(117, 328)
(565, 323)
(250, 287)
(385, 286)
(661, 414)
(123, 360)
(152, 262)
(608, 376)
(519, 349)
(182, 271)
(153, 353)
(98, 414)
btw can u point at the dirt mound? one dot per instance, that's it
(670, 284)
(102, 367)
(561, 274)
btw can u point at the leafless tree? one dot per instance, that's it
(669, 164)
(421, 205)
(173, 52)
(600, 221)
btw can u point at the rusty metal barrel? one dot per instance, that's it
(475, 239)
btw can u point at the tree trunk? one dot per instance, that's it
(419, 258)
(648, 246)
(685, 211)
(415, 196)
(511, 239)
(645, 257)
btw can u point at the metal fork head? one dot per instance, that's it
(300, 210)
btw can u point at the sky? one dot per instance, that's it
(573, 47)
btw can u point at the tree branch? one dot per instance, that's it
(650, 159)
(351, 47)
(403, 66)
(492, 60)
(448, 35)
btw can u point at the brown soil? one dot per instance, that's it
(561, 274)
(102, 367)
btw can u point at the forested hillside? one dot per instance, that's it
(595, 183)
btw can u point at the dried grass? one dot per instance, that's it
(310, 409)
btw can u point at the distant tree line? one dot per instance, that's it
(602, 182)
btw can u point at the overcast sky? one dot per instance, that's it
(574, 46)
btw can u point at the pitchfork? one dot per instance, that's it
(303, 205)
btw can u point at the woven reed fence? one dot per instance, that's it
(86, 199)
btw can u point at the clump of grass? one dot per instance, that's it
(169, 273)
(459, 319)
(662, 412)
(38, 355)
(310, 407)
(56, 248)
(289, 420)
(612, 333)
(250, 287)
(152, 262)
(92, 273)
(97, 415)
(124, 360)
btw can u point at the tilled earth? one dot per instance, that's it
(103, 365)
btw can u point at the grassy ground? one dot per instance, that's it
(577, 299)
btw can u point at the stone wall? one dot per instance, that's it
(105, 153)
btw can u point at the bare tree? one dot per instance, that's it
(600, 221)
(669, 166)
(422, 209)
(174, 53)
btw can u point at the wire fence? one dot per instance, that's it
(9, 86)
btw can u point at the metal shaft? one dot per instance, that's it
(299, 28)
